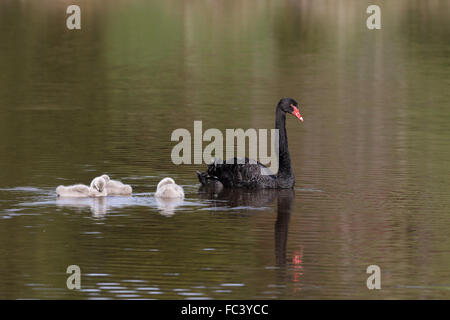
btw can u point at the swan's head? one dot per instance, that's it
(105, 177)
(98, 184)
(164, 182)
(289, 105)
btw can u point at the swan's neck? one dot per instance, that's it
(284, 166)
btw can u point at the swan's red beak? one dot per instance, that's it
(297, 113)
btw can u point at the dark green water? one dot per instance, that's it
(371, 159)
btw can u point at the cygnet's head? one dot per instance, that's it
(164, 182)
(105, 177)
(99, 184)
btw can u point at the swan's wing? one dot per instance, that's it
(170, 191)
(76, 190)
(242, 174)
(115, 187)
(79, 188)
(115, 184)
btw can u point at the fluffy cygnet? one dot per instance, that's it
(77, 190)
(97, 189)
(116, 188)
(167, 188)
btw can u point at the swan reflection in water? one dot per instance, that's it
(98, 206)
(252, 199)
(101, 206)
(284, 207)
(167, 206)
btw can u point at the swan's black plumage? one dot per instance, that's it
(248, 174)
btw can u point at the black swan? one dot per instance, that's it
(232, 174)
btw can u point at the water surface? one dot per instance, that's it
(371, 159)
